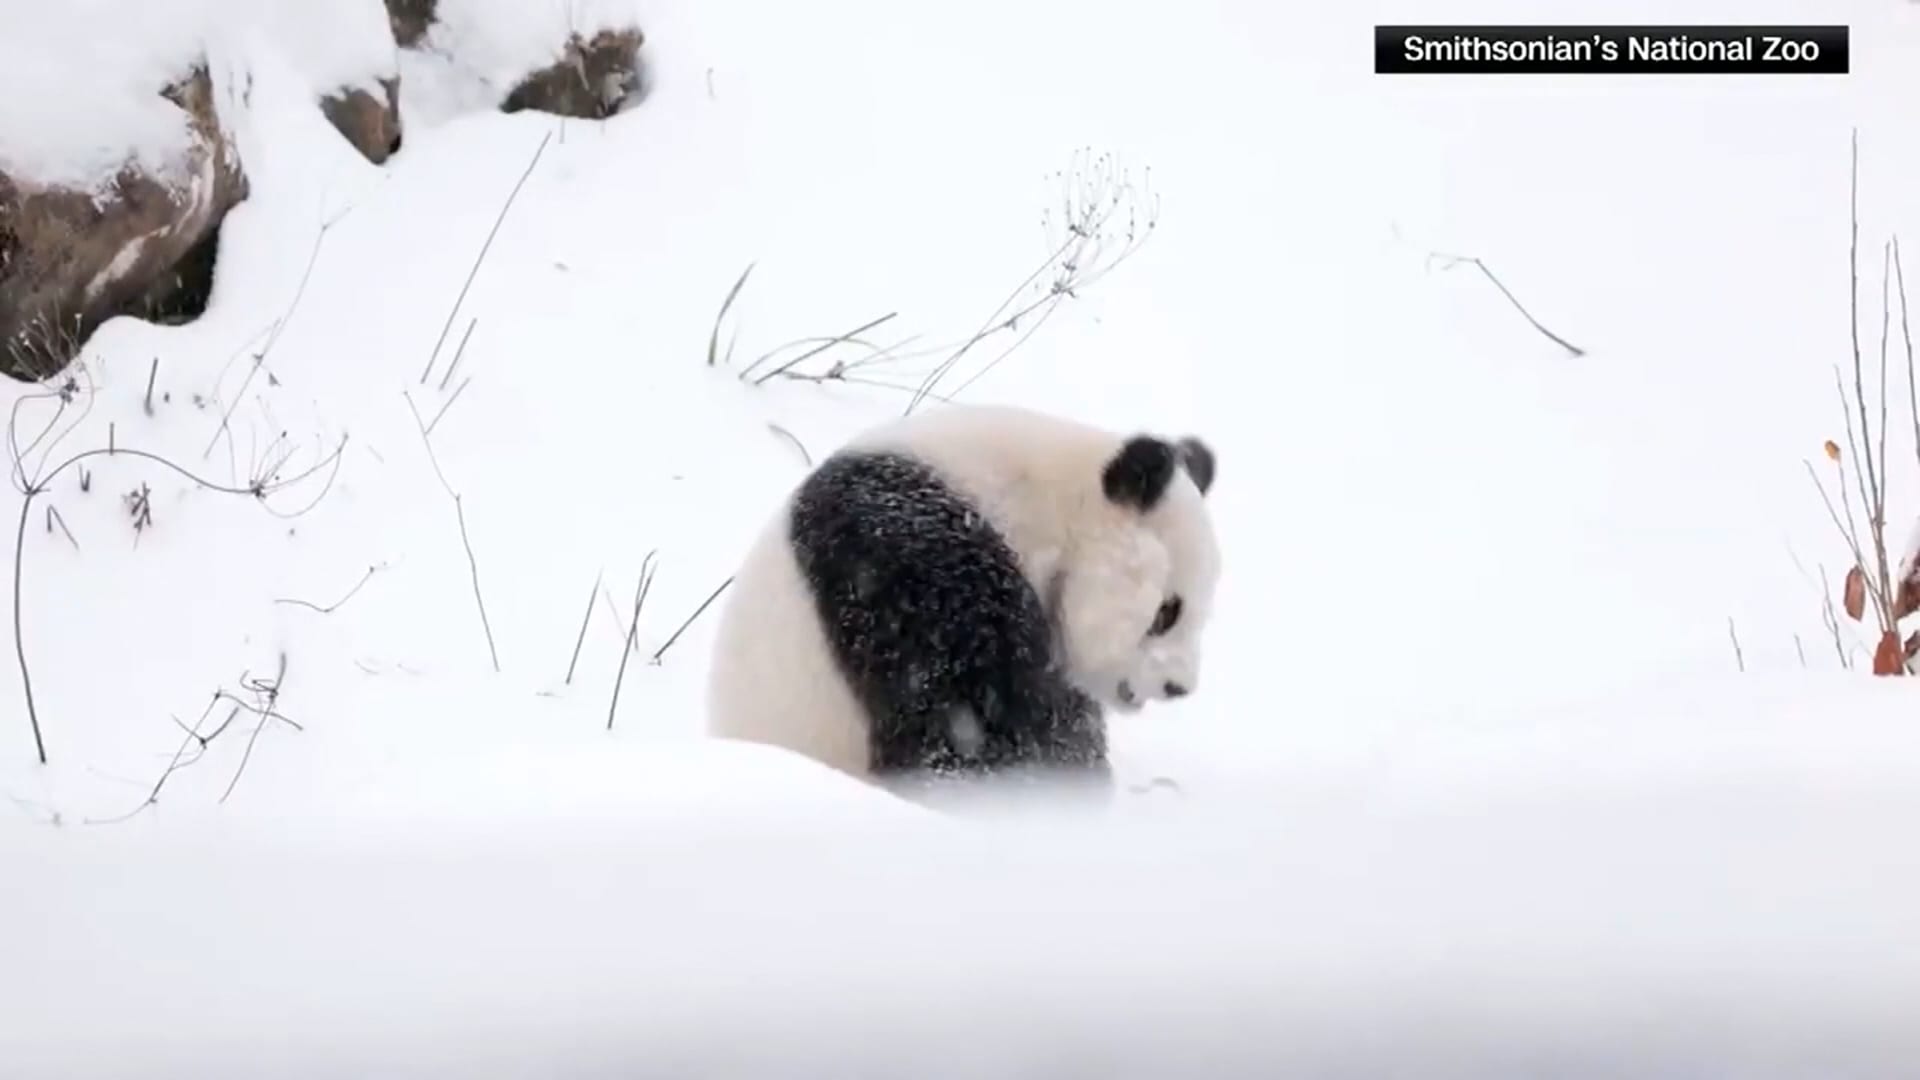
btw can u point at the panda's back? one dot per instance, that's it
(930, 617)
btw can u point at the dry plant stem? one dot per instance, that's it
(584, 619)
(457, 391)
(192, 738)
(54, 517)
(816, 350)
(20, 639)
(1906, 334)
(256, 491)
(269, 693)
(273, 338)
(466, 541)
(459, 351)
(713, 339)
(1733, 635)
(795, 440)
(633, 629)
(153, 373)
(474, 271)
(697, 612)
(1869, 460)
(1457, 260)
(336, 605)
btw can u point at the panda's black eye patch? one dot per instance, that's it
(1165, 619)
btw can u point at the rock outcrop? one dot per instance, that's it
(410, 19)
(593, 79)
(370, 122)
(70, 260)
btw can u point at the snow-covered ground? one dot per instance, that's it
(1521, 739)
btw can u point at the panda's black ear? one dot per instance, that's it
(1198, 458)
(1139, 474)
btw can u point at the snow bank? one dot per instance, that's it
(335, 43)
(80, 79)
(80, 82)
(1719, 927)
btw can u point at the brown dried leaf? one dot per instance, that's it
(1833, 451)
(1854, 596)
(1913, 644)
(1889, 659)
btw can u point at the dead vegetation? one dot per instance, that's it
(1881, 588)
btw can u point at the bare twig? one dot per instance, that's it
(335, 606)
(584, 619)
(704, 605)
(268, 691)
(474, 271)
(1906, 334)
(20, 637)
(633, 629)
(1739, 658)
(448, 404)
(153, 372)
(816, 350)
(258, 491)
(713, 339)
(466, 541)
(193, 740)
(54, 517)
(1452, 261)
(458, 352)
(1090, 206)
(795, 440)
(273, 338)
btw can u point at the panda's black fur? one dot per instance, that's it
(943, 640)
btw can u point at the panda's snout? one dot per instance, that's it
(1131, 698)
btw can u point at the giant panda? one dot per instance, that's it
(962, 594)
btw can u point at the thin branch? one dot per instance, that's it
(713, 339)
(180, 761)
(273, 338)
(466, 541)
(20, 637)
(474, 271)
(457, 391)
(335, 606)
(818, 349)
(633, 629)
(1734, 635)
(269, 692)
(458, 352)
(704, 604)
(153, 373)
(54, 517)
(584, 619)
(795, 440)
(1906, 334)
(1452, 261)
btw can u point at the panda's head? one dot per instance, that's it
(1137, 587)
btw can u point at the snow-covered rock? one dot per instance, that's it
(73, 256)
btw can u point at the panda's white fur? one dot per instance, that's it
(1101, 567)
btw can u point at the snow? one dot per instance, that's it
(80, 80)
(1472, 776)
(476, 51)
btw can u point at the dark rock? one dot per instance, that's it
(593, 79)
(410, 19)
(144, 246)
(370, 122)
